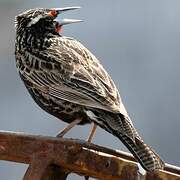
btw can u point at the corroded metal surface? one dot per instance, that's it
(70, 155)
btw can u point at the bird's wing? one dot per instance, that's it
(79, 77)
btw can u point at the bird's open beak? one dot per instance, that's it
(69, 21)
(56, 11)
(61, 10)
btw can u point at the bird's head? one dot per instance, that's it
(42, 20)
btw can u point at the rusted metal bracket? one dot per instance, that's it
(54, 158)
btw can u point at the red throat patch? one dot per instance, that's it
(58, 28)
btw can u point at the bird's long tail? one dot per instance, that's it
(148, 159)
(122, 127)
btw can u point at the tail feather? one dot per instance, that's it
(148, 159)
(142, 152)
(121, 126)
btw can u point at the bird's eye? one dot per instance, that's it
(53, 13)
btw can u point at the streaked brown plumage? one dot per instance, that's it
(66, 80)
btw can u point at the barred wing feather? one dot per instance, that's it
(83, 81)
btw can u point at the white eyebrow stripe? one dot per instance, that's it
(34, 20)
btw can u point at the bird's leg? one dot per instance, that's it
(93, 129)
(69, 127)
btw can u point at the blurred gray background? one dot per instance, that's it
(138, 42)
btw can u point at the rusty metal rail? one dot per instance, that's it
(55, 158)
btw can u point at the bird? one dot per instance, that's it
(67, 81)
